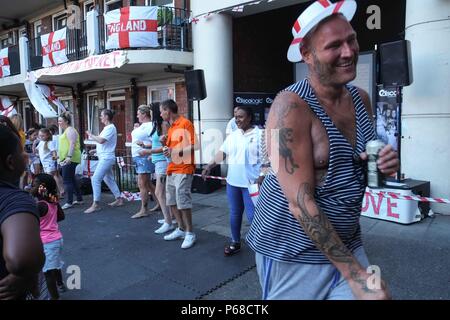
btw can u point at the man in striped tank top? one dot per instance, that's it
(306, 231)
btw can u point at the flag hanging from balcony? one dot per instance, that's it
(7, 107)
(37, 98)
(132, 27)
(49, 93)
(4, 63)
(54, 48)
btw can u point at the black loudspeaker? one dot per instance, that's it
(395, 63)
(195, 84)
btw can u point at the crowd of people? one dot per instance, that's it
(305, 228)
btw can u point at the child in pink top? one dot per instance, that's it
(45, 191)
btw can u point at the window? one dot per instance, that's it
(161, 93)
(168, 3)
(112, 5)
(88, 6)
(5, 42)
(93, 114)
(59, 21)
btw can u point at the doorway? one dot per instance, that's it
(119, 120)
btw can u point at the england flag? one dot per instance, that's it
(54, 48)
(7, 107)
(4, 63)
(132, 27)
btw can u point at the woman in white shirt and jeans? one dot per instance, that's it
(242, 151)
(106, 152)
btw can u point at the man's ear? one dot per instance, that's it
(306, 53)
(9, 163)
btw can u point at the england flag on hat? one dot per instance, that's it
(312, 15)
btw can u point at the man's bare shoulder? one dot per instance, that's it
(366, 100)
(288, 107)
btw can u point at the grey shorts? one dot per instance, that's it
(178, 190)
(302, 281)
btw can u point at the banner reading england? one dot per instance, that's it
(132, 27)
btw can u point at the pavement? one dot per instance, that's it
(122, 259)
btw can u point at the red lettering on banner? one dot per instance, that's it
(391, 205)
(4, 62)
(366, 201)
(132, 26)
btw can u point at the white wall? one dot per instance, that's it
(426, 105)
(213, 52)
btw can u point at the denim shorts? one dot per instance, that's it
(143, 165)
(161, 167)
(53, 252)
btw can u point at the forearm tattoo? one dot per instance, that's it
(319, 228)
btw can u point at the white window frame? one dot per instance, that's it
(24, 31)
(56, 16)
(88, 97)
(120, 97)
(107, 3)
(151, 88)
(85, 4)
(150, 3)
(35, 26)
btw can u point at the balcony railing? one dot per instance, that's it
(14, 60)
(174, 33)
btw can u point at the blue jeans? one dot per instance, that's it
(70, 183)
(238, 199)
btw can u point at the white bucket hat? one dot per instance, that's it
(312, 15)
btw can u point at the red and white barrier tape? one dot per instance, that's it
(392, 195)
(211, 177)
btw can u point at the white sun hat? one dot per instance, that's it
(312, 15)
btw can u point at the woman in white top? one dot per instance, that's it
(241, 149)
(106, 152)
(140, 140)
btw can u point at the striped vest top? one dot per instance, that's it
(275, 232)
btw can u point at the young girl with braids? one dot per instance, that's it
(50, 212)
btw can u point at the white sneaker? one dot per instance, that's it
(164, 228)
(176, 234)
(161, 221)
(189, 240)
(67, 206)
(78, 202)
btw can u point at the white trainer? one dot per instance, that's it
(164, 228)
(161, 221)
(176, 234)
(67, 206)
(189, 240)
(79, 203)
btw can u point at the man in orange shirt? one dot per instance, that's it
(179, 151)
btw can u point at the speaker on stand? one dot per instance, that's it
(395, 71)
(196, 91)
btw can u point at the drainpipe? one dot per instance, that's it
(134, 98)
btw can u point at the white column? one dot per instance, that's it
(24, 55)
(213, 52)
(426, 104)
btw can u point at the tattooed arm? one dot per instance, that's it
(292, 119)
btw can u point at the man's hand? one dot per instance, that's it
(167, 152)
(140, 143)
(260, 180)
(360, 289)
(205, 172)
(14, 287)
(388, 162)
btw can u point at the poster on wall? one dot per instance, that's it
(259, 101)
(387, 115)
